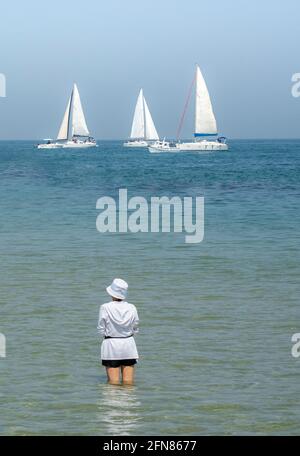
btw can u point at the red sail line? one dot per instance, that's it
(185, 108)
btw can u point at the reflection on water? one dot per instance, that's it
(119, 410)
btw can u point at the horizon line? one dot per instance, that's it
(172, 139)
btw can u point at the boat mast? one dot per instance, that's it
(144, 114)
(69, 116)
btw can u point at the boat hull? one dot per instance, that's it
(136, 144)
(67, 145)
(157, 149)
(79, 145)
(49, 146)
(200, 146)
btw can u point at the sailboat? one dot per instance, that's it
(143, 129)
(205, 125)
(73, 132)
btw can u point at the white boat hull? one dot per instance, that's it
(156, 148)
(79, 145)
(68, 145)
(202, 146)
(197, 146)
(136, 144)
(49, 146)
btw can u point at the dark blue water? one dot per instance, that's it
(216, 317)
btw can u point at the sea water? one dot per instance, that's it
(217, 317)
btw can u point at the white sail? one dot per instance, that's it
(138, 123)
(79, 127)
(205, 122)
(150, 130)
(63, 131)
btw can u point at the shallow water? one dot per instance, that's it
(216, 317)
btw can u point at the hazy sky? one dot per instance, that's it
(247, 50)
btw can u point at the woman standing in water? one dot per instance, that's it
(118, 322)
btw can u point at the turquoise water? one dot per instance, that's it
(216, 317)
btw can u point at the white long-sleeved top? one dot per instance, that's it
(118, 319)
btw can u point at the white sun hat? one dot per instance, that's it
(118, 289)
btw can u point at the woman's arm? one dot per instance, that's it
(102, 322)
(136, 322)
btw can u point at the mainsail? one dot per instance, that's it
(150, 130)
(143, 126)
(79, 127)
(205, 122)
(138, 123)
(64, 128)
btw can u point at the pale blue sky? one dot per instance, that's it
(247, 50)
